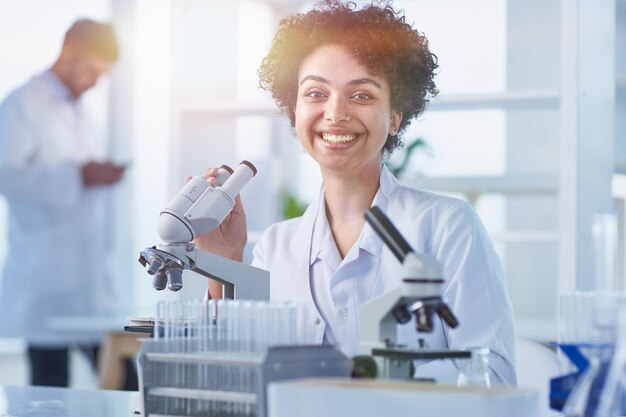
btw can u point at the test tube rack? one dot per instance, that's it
(216, 358)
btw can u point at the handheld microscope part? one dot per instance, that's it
(161, 276)
(199, 208)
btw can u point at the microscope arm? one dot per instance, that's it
(168, 260)
(377, 326)
(239, 280)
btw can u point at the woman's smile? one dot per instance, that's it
(335, 138)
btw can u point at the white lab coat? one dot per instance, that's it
(57, 261)
(442, 226)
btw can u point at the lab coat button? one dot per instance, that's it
(317, 322)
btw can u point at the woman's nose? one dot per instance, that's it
(336, 111)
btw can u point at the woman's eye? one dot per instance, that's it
(314, 94)
(362, 96)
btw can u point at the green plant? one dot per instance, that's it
(398, 169)
(292, 206)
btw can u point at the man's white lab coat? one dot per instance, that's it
(445, 227)
(57, 260)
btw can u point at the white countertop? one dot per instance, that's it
(31, 401)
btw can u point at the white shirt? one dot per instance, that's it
(445, 227)
(58, 263)
(340, 286)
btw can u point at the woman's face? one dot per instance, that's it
(343, 113)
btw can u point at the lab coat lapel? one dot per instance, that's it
(311, 327)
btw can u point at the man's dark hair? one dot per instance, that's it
(379, 39)
(92, 37)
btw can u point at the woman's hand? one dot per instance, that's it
(230, 238)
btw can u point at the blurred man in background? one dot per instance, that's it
(57, 180)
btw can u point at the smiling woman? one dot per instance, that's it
(379, 39)
(351, 81)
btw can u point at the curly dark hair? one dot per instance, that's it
(379, 39)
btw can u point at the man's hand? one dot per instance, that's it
(101, 173)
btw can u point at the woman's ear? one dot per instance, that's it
(396, 118)
(293, 115)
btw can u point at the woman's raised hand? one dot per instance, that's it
(230, 238)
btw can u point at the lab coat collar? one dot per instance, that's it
(319, 233)
(369, 240)
(315, 219)
(323, 243)
(388, 183)
(57, 87)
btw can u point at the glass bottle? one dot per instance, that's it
(474, 371)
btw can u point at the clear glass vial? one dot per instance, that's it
(474, 371)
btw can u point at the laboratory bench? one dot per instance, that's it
(35, 401)
(303, 398)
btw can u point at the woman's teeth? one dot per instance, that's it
(338, 138)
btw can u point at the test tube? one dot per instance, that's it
(262, 335)
(165, 367)
(234, 319)
(604, 231)
(272, 337)
(178, 341)
(158, 321)
(251, 323)
(292, 323)
(283, 324)
(227, 318)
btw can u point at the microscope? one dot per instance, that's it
(200, 208)
(419, 296)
